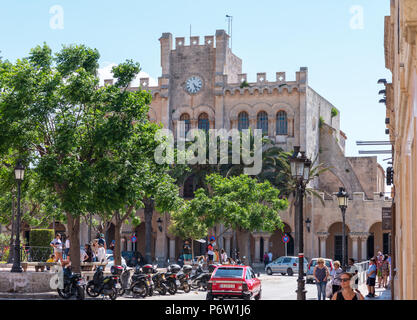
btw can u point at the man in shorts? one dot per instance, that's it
(371, 277)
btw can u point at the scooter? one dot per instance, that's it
(102, 285)
(201, 278)
(139, 284)
(74, 285)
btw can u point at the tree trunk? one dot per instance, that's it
(74, 233)
(117, 254)
(248, 249)
(149, 205)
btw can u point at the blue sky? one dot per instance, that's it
(344, 62)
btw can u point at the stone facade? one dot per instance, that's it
(295, 115)
(401, 102)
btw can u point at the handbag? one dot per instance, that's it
(329, 289)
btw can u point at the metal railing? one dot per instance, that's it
(362, 268)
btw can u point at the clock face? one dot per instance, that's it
(193, 84)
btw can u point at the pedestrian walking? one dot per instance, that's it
(270, 256)
(57, 245)
(210, 253)
(266, 258)
(379, 260)
(321, 274)
(94, 248)
(102, 241)
(67, 247)
(352, 269)
(346, 292)
(101, 253)
(186, 251)
(371, 277)
(223, 256)
(385, 271)
(336, 273)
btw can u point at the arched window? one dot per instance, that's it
(203, 122)
(282, 123)
(262, 121)
(185, 124)
(243, 121)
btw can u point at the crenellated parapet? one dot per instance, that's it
(264, 87)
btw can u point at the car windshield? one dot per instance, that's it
(228, 273)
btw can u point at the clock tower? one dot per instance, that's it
(193, 73)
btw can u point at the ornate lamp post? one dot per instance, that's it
(300, 170)
(19, 172)
(342, 198)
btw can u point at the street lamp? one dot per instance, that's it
(342, 198)
(300, 171)
(19, 172)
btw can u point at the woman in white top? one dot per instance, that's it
(57, 245)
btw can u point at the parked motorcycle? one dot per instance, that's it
(183, 277)
(201, 278)
(139, 284)
(74, 285)
(104, 285)
(171, 278)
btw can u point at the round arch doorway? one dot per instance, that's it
(277, 246)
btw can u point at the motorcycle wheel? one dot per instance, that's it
(196, 284)
(64, 293)
(113, 295)
(172, 287)
(90, 290)
(150, 291)
(186, 287)
(80, 293)
(162, 289)
(139, 289)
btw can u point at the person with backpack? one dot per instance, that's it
(321, 274)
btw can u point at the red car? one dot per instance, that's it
(233, 281)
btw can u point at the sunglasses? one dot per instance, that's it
(344, 279)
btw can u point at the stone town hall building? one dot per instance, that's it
(201, 86)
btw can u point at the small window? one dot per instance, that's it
(286, 260)
(185, 124)
(282, 123)
(262, 122)
(203, 122)
(243, 121)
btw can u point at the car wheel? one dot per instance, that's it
(209, 296)
(269, 271)
(290, 272)
(258, 296)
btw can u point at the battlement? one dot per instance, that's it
(262, 85)
(221, 39)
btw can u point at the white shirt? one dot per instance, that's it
(101, 254)
(83, 255)
(67, 243)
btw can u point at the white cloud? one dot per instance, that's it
(105, 73)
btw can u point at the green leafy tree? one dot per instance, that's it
(54, 114)
(237, 202)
